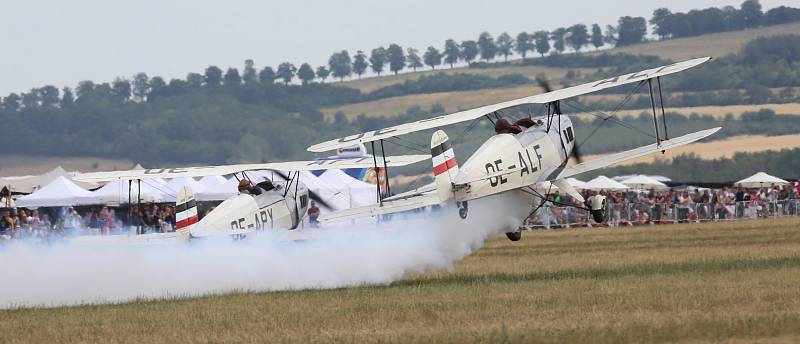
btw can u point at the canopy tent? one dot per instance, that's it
(217, 188)
(644, 182)
(604, 183)
(58, 193)
(211, 181)
(29, 184)
(357, 193)
(116, 192)
(760, 180)
(578, 184)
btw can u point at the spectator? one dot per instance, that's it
(313, 214)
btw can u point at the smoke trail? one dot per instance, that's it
(69, 275)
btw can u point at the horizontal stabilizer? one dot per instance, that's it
(201, 171)
(609, 160)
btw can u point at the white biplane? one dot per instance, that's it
(265, 203)
(516, 159)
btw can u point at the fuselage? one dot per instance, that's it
(516, 160)
(276, 208)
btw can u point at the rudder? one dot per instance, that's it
(185, 212)
(445, 165)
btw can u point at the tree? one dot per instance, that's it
(578, 37)
(781, 15)
(524, 44)
(451, 52)
(249, 75)
(213, 76)
(597, 36)
(341, 65)
(84, 89)
(322, 73)
(286, 72)
(306, 73)
(141, 86)
(11, 102)
(49, 96)
(397, 59)
(121, 88)
(487, 46)
(469, 50)
(542, 40)
(194, 79)
(360, 63)
(751, 13)
(558, 39)
(67, 98)
(31, 99)
(505, 45)
(433, 57)
(611, 35)
(232, 77)
(267, 76)
(377, 60)
(414, 61)
(630, 30)
(157, 87)
(660, 22)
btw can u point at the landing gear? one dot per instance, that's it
(599, 209)
(462, 209)
(514, 236)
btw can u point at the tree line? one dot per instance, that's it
(749, 15)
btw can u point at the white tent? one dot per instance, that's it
(217, 188)
(644, 182)
(604, 183)
(759, 180)
(60, 192)
(578, 184)
(358, 193)
(116, 192)
(29, 184)
(211, 181)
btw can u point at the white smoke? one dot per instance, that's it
(65, 274)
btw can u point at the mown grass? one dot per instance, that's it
(684, 283)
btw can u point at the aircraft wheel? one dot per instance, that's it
(514, 236)
(462, 210)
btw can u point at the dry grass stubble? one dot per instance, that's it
(702, 283)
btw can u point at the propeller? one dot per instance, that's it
(576, 153)
(543, 83)
(311, 194)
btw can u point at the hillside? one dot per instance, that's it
(715, 45)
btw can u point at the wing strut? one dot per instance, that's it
(653, 105)
(377, 182)
(663, 115)
(385, 170)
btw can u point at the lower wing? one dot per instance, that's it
(388, 207)
(570, 171)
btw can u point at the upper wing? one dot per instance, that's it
(199, 171)
(471, 114)
(570, 171)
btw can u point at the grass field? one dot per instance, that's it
(711, 282)
(722, 148)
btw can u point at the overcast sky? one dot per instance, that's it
(62, 42)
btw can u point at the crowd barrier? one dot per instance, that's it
(641, 213)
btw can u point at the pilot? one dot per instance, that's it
(503, 126)
(246, 187)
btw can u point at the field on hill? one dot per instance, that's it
(707, 282)
(715, 45)
(721, 148)
(20, 165)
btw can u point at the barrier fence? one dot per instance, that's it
(643, 213)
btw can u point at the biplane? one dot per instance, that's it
(519, 156)
(279, 202)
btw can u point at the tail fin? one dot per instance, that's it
(185, 212)
(445, 166)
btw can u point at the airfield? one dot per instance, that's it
(708, 282)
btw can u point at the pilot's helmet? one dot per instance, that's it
(244, 185)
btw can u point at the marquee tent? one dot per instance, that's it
(759, 180)
(116, 192)
(644, 182)
(58, 193)
(604, 183)
(356, 192)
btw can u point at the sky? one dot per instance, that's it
(60, 43)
